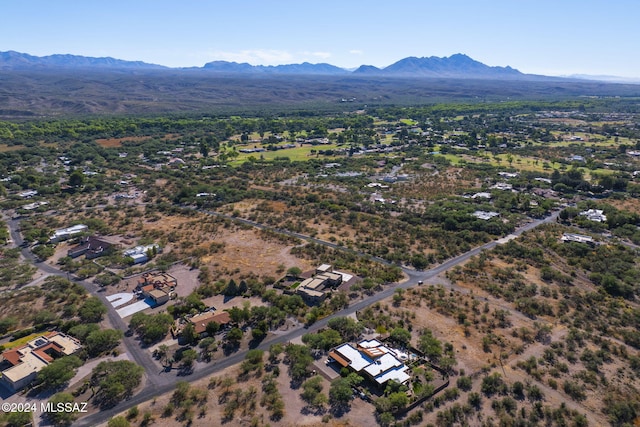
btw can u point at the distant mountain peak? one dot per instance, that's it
(13, 60)
(457, 65)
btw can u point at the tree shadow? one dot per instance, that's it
(339, 410)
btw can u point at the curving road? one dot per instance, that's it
(158, 383)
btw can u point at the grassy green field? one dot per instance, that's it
(408, 122)
(294, 154)
(589, 140)
(521, 163)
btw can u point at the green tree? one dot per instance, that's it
(18, 419)
(430, 346)
(61, 418)
(92, 310)
(340, 393)
(187, 359)
(76, 178)
(101, 341)
(58, 372)
(401, 335)
(252, 362)
(294, 272)
(348, 328)
(212, 328)
(234, 336)
(118, 421)
(311, 388)
(299, 358)
(398, 400)
(151, 328)
(115, 381)
(189, 334)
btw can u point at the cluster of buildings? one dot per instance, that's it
(374, 360)
(22, 364)
(156, 286)
(315, 289)
(93, 247)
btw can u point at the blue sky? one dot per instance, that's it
(558, 37)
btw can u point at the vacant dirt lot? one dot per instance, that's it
(295, 414)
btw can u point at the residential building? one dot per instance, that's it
(375, 360)
(67, 233)
(200, 321)
(578, 238)
(91, 247)
(596, 215)
(26, 361)
(485, 215)
(314, 289)
(140, 254)
(482, 195)
(156, 286)
(159, 296)
(502, 186)
(28, 194)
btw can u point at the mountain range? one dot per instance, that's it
(70, 85)
(455, 66)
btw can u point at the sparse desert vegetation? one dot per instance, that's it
(266, 243)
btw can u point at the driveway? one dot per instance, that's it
(117, 300)
(132, 309)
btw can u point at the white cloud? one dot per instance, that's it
(267, 56)
(254, 56)
(356, 52)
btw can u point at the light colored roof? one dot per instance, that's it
(314, 283)
(157, 293)
(324, 268)
(31, 357)
(571, 237)
(310, 292)
(484, 195)
(358, 360)
(330, 276)
(369, 343)
(398, 374)
(69, 344)
(485, 215)
(382, 365)
(29, 363)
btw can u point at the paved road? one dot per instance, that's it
(139, 355)
(161, 382)
(414, 277)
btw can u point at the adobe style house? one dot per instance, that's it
(314, 289)
(157, 286)
(91, 247)
(23, 363)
